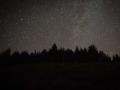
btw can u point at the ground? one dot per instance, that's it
(58, 76)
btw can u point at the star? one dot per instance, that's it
(66, 23)
(16, 23)
(21, 19)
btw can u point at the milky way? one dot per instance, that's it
(37, 24)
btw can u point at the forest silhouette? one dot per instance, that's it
(59, 69)
(91, 54)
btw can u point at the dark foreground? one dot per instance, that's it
(60, 76)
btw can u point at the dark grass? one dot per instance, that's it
(60, 76)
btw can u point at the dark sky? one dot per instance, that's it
(37, 24)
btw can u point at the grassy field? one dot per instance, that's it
(58, 76)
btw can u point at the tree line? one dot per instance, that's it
(91, 54)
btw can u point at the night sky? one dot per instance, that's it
(37, 24)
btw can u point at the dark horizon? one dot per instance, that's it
(62, 69)
(59, 48)
(55, 54)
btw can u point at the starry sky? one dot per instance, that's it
(37, 24)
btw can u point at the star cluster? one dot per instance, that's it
(37, 24)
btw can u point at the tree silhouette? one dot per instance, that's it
(92, 53)
(6, 53)
(102, 57)
(77, 54)
(54, 48)
(62, 55)
(24, 54)
(53, 53)
(16, 54)
(116, 58)
(22, 64)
